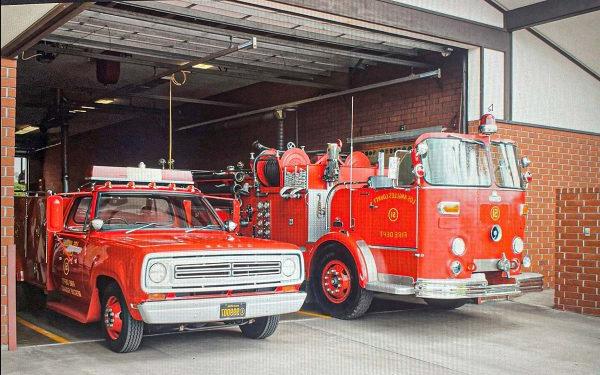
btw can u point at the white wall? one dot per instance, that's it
(550, 90)
(473, 10)
(17, 18)
(474, 88)
(493, 83)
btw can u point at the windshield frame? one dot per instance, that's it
(466, 140)
(519, 171)
(99, 195)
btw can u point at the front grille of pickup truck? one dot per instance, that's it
(224, 270)
(227, 269)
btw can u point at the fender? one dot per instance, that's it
(357, 247)
(95, 307)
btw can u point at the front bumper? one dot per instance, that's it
(203, 310)
(475, 287)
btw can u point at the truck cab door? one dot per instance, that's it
(69, 250)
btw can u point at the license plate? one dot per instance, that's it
(233, 310)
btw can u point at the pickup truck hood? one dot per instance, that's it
(153, 241)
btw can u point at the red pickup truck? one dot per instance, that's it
(142, 246)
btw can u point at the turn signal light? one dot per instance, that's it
(449, 208)
(157, 296)
(523, 209)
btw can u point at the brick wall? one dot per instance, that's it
(559, 159)
(8, 94)
(577, 255)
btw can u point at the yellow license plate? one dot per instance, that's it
(233, 310)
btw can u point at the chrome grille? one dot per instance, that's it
(227, 269)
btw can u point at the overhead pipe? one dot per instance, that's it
(434, 73)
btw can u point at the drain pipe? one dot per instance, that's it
(64, 138)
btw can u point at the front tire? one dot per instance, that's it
(445, 304)
(334, 282)
(123, 334)
(261, 328)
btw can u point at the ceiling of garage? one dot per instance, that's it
(154, 37)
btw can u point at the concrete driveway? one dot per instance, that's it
(507, 337)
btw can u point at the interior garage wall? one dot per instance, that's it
(550, 90)
(560, 159)
(414, 104)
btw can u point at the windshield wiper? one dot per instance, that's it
(203, 227)
(147, 225)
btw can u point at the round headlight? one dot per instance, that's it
(288, 267)
(458, 247)
(517, 245)
(157, 273)
(456, 267)
(526, 261)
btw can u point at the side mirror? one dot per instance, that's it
(97, 224)
(55, 220)
(230, 225)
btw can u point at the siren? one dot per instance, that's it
(487, 125)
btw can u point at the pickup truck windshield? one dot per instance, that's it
(140, 211)
(456, 162)
(506, 167)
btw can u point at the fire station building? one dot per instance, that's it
(84, 84)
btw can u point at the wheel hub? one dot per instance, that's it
(112, 317)
(336, 281)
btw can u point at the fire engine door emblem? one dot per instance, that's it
(393, 214)
(495, 213)
(66, 269)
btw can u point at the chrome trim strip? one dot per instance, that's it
(396, 279)
(199, 310)
(486, 265)
(395, 248)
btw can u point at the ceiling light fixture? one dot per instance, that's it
(104, 101)
(87, 107)
(27, 129)
(203, 66)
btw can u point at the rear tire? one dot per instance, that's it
(123, 334)
(261, 328)
(445, 304)
(346, 300)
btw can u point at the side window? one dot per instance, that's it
(79, 215)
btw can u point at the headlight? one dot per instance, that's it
(157, 273)
(526, 261)
(458, 247)
(455, 267)
(288, 267)
(517, 245)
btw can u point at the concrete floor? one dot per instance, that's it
(524, 336)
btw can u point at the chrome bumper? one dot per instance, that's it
(208, 309)
(475, 287)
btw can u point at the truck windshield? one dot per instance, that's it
(141, 211)
(506, 167)
(456, 162)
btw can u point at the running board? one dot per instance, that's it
(67, 310)
(389, 288)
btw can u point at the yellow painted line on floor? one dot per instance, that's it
(314, 314)
(41, 331)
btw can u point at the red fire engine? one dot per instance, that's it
(143, 246)
(444, 221)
